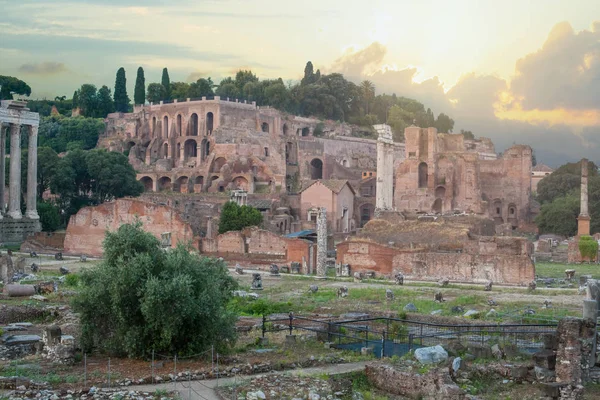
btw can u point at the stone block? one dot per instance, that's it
(545, 359)
(479, 350)
(550, 341)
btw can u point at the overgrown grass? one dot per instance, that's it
(557, 270)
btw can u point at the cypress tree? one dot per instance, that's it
(76, 99)
(121, 98)
(139, 95)
(166, 82)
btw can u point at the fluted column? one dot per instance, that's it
(14, 202)
(31, 211)
(3, 128)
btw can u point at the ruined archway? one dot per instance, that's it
(497, 211)
(440, 192)
(198, 183)
(366, 213)
(209, 123)
(190, 149)
(423, 175)
(437, 206)
(165, 150)
(166, 127)
(148, 184)
(204, 149)
(164, 184)
(194, 125)
(285, 129)
(265, 127)
(240, 183)
(179, 125)
(181, 184)
(305, 131)
(128, 146)
(316, 169)
(218, 164)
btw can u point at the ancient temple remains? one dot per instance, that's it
(15, 118)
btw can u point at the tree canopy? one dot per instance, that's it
(10, 85)
(142, 298)
(235, 218)
(58, 131)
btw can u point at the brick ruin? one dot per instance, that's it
(459, 248)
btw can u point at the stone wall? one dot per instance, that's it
(87, 228)
(44, 241)
(502, 260)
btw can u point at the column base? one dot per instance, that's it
(32, 214)
(15, 214)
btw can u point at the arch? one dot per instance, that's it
(204, 149)
(305, 131)
(240, 182)
(199, 180)
(316, 169)
(497, 209)
(345, 163)
(181, 184)
(179, 125)
(194, 125)
(218, 164)
(148, 184)
(264, 127)
(440, 192)
(512, 210)
(437, 206)
(129, 145)
(423, 175)
(366, 213)
(209, 123)
(166, 150)
(166, 127)
(190, 149)
(165, 184)
(285, 129)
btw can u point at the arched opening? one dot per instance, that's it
(204, 149)
(511, 212)
(437, 206)
(181, 184)
(148, 184)
(265, 127)
(164, 184)
(194, 125)
(153, 126)
(423, 175)
(179, 125)
(190, 149)
(166, 127)
(128, 147)
(366, 213)
(345, 163)
(218, 164)
(165, 150)
(198, 183)
(440, 192)
(266, 152)
(305, 131)
(285, 129)
(209, 123)
(240, 183)
(316, 169)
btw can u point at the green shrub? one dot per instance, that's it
(588, 247)
(72, 280)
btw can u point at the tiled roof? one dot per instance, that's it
(335, 185)
(261, 204)
(542, 168)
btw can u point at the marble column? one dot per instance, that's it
(583, 221)
(322, 243)
(3, 129)
(14, 202)
(31, 211)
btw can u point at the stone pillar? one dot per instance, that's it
(385, 168)
(31, 211)
(322, 243)
(583, 221)
(3, 128)
(14, 206)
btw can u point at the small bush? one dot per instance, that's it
(588, 247)
(72, 280)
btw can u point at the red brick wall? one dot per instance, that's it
(500, 266)
(53, 240)
(87, 228)
(230, 242)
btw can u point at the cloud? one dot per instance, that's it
(355, 63)
(564, 73)
(44, 68)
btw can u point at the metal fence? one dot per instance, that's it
(387, 337)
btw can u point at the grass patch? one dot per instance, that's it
(557, 270)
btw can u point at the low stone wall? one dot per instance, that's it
(44, 241)
(12, 314)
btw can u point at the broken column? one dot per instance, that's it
(322, 243)
(385, 168)
(583, 221)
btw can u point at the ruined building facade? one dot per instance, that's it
(444, 172)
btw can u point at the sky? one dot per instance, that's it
(517, 71)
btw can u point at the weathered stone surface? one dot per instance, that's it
(410, 307)
(575, 347)
(429, 355)
(434, 384)
(257, 282)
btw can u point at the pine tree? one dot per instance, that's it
(139, 95)
(121, 98)
(309, 75)
(166, 82)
